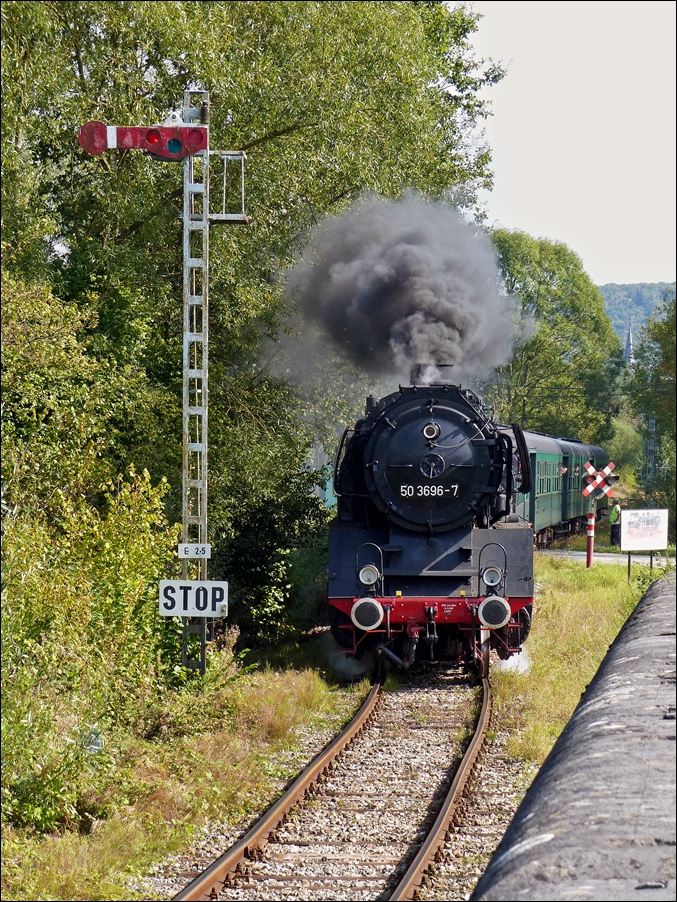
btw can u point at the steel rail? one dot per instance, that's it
(208, 884)
(413, 879)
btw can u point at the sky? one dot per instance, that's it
(583, 130)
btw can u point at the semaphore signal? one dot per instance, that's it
(185, 136)
(167, 143)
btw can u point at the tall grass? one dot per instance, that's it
(578, 613)
(212, 750)
(112, 753)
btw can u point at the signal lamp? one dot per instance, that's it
(369, 575)
(431, 431)
(492, 576)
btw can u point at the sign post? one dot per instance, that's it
(599, 483)
(590, 532)
(644, 530)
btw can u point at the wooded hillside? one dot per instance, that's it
(636, 303)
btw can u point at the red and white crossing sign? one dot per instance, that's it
(597, 480)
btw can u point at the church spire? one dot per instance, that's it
(629, 354)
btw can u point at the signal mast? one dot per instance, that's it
(185, 136)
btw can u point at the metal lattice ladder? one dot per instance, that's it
(197, 219)
(195, 363)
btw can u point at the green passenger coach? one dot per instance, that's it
(556, 505)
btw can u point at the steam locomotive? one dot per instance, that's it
(438, 511)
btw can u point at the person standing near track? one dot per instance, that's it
(615, 521)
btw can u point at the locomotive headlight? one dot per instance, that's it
(492, 576)
(369, 575)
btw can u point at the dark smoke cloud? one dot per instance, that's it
(395, 283)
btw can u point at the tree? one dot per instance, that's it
(562, 377)
(652, 394)
(625, 447)
(652, 388)
(327, 99)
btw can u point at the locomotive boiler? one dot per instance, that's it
(430, 550)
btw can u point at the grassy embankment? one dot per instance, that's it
(222, 749)
(578, 613)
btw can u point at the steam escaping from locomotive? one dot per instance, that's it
(394, 283)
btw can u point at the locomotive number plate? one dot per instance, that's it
(420, 491)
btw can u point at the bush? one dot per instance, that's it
(83, 648)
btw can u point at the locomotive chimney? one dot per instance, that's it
(371, 404)
(425, 373)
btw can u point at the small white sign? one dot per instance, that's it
(193, 598)
(201, 552)
(644, 530)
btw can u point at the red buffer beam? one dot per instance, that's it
(168, 143)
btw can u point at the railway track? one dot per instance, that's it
(370, 813)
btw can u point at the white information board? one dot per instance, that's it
(644, 530)
(193, 598)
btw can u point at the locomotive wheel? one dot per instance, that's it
(485, 648)
(337, 621)
(524, 616)
(380, 668)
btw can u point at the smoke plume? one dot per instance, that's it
(395, 283)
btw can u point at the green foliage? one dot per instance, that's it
(562, 377)
(81, 643)
(69, 421)
(653, 385)
(625, 448)
(636, 303)
(308, 579)
(328, 100)
(651, 391)
(390, 100)
(220, 748)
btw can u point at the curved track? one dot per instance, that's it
(371, 811)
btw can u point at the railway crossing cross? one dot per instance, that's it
(185, 136)
(599, 483)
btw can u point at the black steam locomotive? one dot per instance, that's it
(430, 541)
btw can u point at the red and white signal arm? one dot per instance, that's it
(165, 142)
